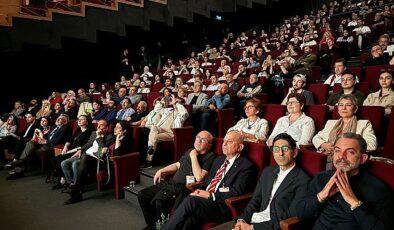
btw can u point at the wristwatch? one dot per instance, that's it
(359, 203)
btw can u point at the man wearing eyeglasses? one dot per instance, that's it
(348, 84)
(193, 166)
(278, 191)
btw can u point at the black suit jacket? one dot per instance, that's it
(59, 137)
(240, 179)
(107, 141)
(283, 204)
(30, 133)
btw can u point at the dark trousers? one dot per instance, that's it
(160, 199)
(194, 211)
(153, 208)
(56, 164)
(86, 163)
(143, 143)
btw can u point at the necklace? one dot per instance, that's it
(250, 125)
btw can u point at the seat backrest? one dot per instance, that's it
(150, 98)
(22, 125)
(319, 91)
(157, 87)
(372, 75)
(272, 112)
(319, 114)
(225, 121)
(382, 170)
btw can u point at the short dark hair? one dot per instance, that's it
(286, 137)
(361, 141)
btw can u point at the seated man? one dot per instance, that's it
(97, 144)
(170, 118)
(278, 191)
(348, 197)
(348, 83)
(220, 100)
(231, 175)
(193, 166)
(298, 86)
(43, 143)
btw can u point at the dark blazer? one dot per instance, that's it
(283, 204)
(126, 145)
(240, 179)
(108, 140)
(59, 137)
(31, 131)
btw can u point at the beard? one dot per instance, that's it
(345, 165)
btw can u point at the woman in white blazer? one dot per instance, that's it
(347, 108)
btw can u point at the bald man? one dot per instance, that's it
(193, 166)
(232, 175)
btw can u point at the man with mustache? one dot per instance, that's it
(348, 197)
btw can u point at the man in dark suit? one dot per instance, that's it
(98, 144)
(278, 191)
(44, 144)
(231, 175)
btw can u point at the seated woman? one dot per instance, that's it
(252, 128)
(65, 163)
(347, 108)
(385, 95)
(299, 126)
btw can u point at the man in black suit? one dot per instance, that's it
(98, 144)
(279, 189)
(231, 175)
(44, 144)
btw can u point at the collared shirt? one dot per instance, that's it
(302, 130)
(230, 163)
(264, 215)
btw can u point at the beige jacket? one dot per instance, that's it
(364, 128)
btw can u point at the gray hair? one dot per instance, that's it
(349, 97)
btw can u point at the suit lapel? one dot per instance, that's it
(289, 179)
(267, 188)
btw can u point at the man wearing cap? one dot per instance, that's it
(298, 86)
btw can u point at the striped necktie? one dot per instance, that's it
(218, 177)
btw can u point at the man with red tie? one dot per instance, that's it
(231, 175)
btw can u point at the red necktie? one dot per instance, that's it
(212, 185)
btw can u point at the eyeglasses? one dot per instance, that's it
(202, 140)
(292, 102)
(276, 149)
(249, 107)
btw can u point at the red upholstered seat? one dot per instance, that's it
(272, 112)
(319, 91)
(372, 75)
(319, 114)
